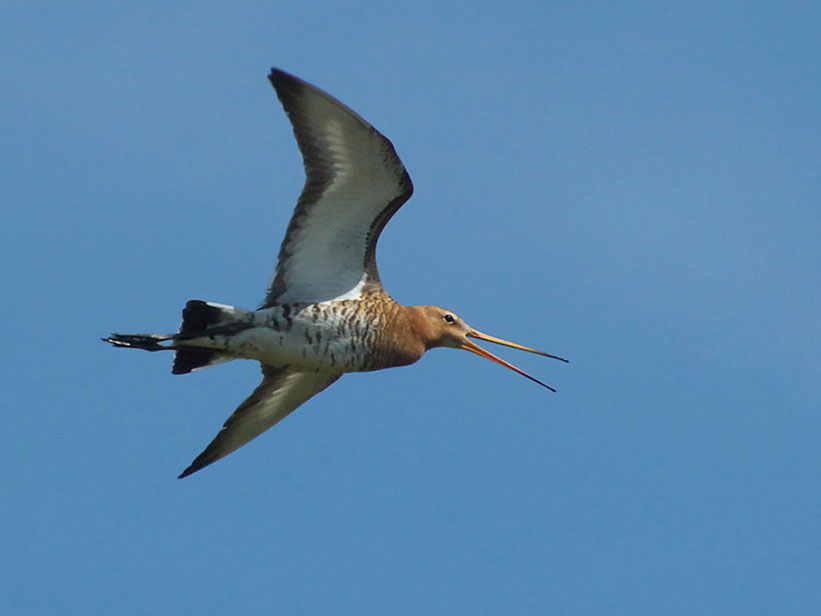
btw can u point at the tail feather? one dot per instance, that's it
(146, 342)
(198, 315)
(188, 359)
(199, 319)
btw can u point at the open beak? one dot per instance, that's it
(475, 348)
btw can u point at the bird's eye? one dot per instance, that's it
(449, 318)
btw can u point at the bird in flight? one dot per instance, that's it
(326, 312)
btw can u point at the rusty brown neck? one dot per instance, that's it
(404, 338)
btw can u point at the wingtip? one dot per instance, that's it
(187, 471)
(278, 76)
(199, 463)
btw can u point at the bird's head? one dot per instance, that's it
(443, 328)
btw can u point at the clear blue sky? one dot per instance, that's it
(633, 186)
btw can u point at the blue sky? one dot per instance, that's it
(633, 186)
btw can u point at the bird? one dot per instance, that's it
(326, 312)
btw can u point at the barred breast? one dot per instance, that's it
(347, 335)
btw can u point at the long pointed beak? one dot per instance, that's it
(475, 348)
(476, 334)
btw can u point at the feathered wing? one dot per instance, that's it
(354, 183)
(280, 392)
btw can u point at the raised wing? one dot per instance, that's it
(354, 183)
(280, 392)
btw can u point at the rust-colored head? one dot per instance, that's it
(442, 328)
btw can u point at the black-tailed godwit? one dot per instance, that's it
(326, 312)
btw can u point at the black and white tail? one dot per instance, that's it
(198, 319)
